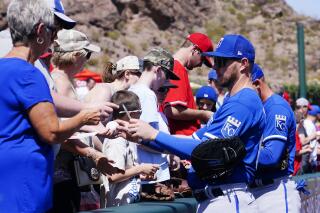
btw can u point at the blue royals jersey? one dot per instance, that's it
(280, 127)
(240, 115)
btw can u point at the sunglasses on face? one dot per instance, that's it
(137, 112)
(53, 30)
(88, 55)
(300, 107)
(220, 62)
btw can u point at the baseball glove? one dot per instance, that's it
(214, 159)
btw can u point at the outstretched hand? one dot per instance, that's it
(141, 129)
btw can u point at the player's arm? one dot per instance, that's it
(271, 153)
(182, 147)
(180, 112)
(275, 136)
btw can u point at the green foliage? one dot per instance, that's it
(104, 59)
(95, 36)
(144, 46)
(313, 92)
(231, 9)
(128, 44)
(114, 35)
(214, 30)
(241, 18)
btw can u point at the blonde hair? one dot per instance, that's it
(62, 59)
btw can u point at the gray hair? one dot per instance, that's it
(23, 15)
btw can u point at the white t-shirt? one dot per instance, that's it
(5, 42)
(148, 100)
(311, 129)
(124, 154)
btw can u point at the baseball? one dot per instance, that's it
(112, 125)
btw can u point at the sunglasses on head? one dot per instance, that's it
(220, 62)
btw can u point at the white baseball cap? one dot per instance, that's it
(73, 40)
(302, 102)
(58, 10)
(130, 62)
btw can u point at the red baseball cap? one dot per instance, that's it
(204, 43)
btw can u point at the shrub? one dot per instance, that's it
(114, 35)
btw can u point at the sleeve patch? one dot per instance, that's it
(280, 122)
(230, 127)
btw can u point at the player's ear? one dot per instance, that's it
(245, 65)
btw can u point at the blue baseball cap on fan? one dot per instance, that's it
(212, 75)
(57, 7)
(233, 46)
(207, 92)
(314, 110)
(256, 72)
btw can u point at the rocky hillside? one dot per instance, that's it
(123, 27)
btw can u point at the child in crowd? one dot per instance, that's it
(206, 98)
(124, 187)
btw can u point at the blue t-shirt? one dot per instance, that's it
(278, 136)
(26, 163)
(240, 115)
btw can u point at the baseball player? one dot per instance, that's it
(234, 58)
(272, 187)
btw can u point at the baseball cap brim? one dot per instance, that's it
(207, 61)
(168, 84)
(65, 21)
(217, 54)
(171, 74)
(93, 48)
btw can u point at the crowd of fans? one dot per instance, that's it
(49, 118)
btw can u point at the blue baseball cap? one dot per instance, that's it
(212, 75)
(314, 110)
(207, 92)
(233, 46)
(58, 10)
(256, 73)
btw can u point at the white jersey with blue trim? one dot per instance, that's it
(280, 125)
(240, 115)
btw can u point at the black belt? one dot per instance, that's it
(201, 195)
(261, 182)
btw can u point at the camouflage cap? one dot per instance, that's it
(161, 57)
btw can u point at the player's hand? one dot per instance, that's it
(90, 116)
(123, 131)
(141, 129)
(174, 162)
(148, 168)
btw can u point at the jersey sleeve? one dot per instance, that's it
(277, 124)
(31, 88)
(233, 119)
(199, 133)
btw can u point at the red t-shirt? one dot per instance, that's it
(181, 96)
(297, 159)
